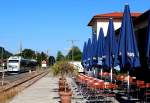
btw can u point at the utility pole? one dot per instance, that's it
(3, 71)
(72, 43)
(47, 57)
(66, 50)
(20, 48)
(47, 52)
(36, 54)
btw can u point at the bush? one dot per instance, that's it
(63, 69)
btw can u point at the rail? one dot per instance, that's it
(10, 90)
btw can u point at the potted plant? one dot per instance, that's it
(64, 69)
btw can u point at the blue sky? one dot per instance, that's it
(48, 24)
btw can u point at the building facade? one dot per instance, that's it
(140, 24)
(102, 20)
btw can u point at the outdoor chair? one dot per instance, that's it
(109, 87)
(132, 87)
(147, 93)
(83, 85)
(120, 81)
(104, 91)
(98, 87)
(81, 82)
(95, 90)
(77, 94)
(90, 90)
(140, 88)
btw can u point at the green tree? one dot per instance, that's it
(60, 56)
(28, 53)
(76, 54)
(38, 58)
(31, 54)
(51, 60)
(43, 56)
(6, 54)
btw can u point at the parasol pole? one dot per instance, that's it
(111, 74)
(101, 73)
(128, 86)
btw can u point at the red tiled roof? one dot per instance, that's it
(115, 15)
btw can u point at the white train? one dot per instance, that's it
(18, 64)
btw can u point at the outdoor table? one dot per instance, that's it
(130, 100)
(120, 92)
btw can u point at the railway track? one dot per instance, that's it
(16, 83)
(9, 78)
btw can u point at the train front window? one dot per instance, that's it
(13, 61)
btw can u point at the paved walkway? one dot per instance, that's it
(43, 91)
(46, 91)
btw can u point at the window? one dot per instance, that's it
(13, 61)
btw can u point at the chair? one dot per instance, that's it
(147, 93)
(98, 89)
(140, 84)
(140, 87)
(109, 87)
(77, 94)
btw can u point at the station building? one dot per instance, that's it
(140, 24)
(102, 20)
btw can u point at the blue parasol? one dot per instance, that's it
(94, 51)
(83, 61)
(148, 44)
(111, 47)
(100, 49)
(88, 55)
(128, 51)
(93, 61)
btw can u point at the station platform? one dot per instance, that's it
(43, 91)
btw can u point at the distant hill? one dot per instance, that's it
(6, 53)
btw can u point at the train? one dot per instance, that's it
(18, 64)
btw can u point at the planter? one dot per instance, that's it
(62, 86)
(62, 89)
(62, 81)
(64, 68)
(66, 96)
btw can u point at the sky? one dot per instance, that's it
(44, 25)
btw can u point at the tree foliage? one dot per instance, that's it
(4, 53)
(28, 53)
(43, 56)
(60, 56)
(40, 57)
(63, 69)
(51, 60)
(76, 54)
(31, 54)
